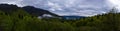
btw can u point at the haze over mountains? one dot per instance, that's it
(9, 8)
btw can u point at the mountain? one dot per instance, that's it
(72, 17)
(9, 8)
(37, 11)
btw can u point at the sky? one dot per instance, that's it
(69, 7)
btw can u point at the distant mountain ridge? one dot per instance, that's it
(72, 17)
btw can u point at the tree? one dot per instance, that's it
(113, 10)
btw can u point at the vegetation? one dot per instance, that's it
(20, 20)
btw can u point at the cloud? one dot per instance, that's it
(88, 7)
(115, 3)
(67, 7)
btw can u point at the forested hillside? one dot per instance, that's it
(9, 8)
(17, 19)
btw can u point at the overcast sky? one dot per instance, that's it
(69, 7)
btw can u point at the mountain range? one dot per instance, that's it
(9, 8)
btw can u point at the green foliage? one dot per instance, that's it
(22, 21)
(19, 20)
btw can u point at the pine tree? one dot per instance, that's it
(113, 10)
